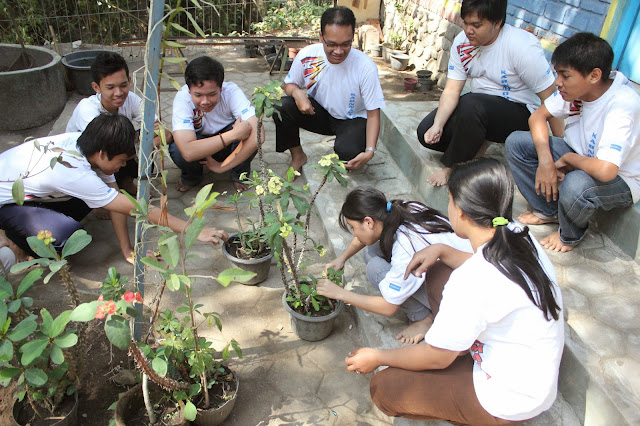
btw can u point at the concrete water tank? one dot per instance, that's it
(34, 96)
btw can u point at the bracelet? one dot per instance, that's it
(222, 140)
(372, 149)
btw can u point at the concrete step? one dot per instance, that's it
(600, 371)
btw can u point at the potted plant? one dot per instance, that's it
(41, 353)
(285, 216)
(247, 249)
(174, 355)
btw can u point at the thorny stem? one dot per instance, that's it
(307, 220)
(155, 310)
(294, 273)
(33, 404)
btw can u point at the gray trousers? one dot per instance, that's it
(417, 306)
(7, 258)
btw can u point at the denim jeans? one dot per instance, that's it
(579, 194)
(192, 170)
(417, 306)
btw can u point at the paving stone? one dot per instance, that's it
(617, 312)
(596, 336)
(628, 287)
(574, 302)
(633, 346)
(627, 371)
(589, 280)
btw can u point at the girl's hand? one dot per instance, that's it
(336, 264)
(212, 235)
(422, 260)
(362, 361)
(328, 289)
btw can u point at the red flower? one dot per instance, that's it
(100, 312)
(100, 298)
(110, 307)
(138, 297)
(129, 297)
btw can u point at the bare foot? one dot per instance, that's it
(553, 242)
(528, 218)
(182, 187)
(240, 187)
(101, 213)
(416, 331)
(441, 177)
(298, 158)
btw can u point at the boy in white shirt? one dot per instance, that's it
(213, 124)
(597, 164)
(343, 95)
(111, 82)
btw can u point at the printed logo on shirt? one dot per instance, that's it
(616, 147)
(591, 149)
(466, 52)
(312, 65)
(477, 350)
(451, 67)
(352, 105)
(395, 287)
(244, 111)
(197, 118)
(186, 121)
(506, 89)
(575, 107)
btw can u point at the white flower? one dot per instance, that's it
(260, 190)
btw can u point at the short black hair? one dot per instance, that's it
(203, 69)
(493, 11)
(339, 15)
(584, 52)
(107, 63)
(111, 133)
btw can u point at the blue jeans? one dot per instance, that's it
(579, 195)
(415, 307)
(192, 170)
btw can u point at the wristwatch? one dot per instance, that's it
(372, 149)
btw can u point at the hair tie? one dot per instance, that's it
(499, 221)
(389, 203)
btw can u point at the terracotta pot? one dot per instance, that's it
(22, 409)
(312, 329)
(260, 266)
(410, 83)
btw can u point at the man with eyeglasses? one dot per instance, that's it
(343, 95)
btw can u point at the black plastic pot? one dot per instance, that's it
(312, 329)
(260, 266)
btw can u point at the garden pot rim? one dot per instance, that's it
(339, 306)
(225, 250)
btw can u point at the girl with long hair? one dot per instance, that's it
(392, 231)
(493, 352)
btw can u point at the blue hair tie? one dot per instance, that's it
(389, 203)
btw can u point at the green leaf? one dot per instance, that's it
(236, 348)
(315, 304)
(67, 340)
(76, 242)
(301, 204)
(234, 274)
(14, 305)
(36, 377)
(6, 290)
(6, 350)
(169, 249)
(173, 283)
(9, 373)
(170, 43)
(40, 248)
(84, 312)
(3, 312)
(59, 324)
(28, 281)
(159, 366)
(202, 195)
(19, 267)
(226, 353)
(194, 389)
(305, 289)
(153, 263)
(17, 191)
(32, 350)
(24, 329)
(190, 411)
(47, 321)
(191, 236)
(57, 357)
(118, 332)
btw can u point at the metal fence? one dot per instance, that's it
(112, 21)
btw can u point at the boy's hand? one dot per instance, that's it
(336, 264)
(326, 288)
(547, 181)
(563, 167)
(212, 164)
(304, 104)
(241, 129)
(212, 235)
(362, 360)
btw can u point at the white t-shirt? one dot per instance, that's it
(607, 128)
(513, 66)
(394, 288)
(91, 107)
(346, 90)
(516, 351)
(232, 104)
(57, 184)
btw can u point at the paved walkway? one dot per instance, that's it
(286, 380)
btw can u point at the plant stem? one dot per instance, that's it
(286, 250)
(205, 389)
(147, 401)
(307, 220)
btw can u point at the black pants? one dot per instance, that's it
(62, 218)
(351, 134)
(476, 118)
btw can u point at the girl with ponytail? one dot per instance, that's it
(391, 231)
(493, 352)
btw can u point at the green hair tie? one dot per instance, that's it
(499, 221)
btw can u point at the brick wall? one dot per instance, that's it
(556, 20)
